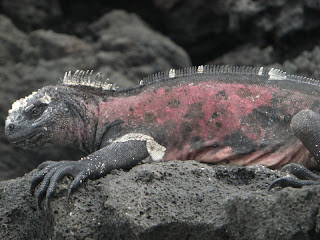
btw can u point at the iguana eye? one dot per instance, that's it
(36, 111)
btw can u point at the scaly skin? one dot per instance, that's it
(214, 115)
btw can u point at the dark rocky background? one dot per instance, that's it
(128, 40)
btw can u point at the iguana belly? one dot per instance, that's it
(273, 158)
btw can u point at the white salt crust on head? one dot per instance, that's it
(23, 102)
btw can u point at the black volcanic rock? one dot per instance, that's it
(171, 200)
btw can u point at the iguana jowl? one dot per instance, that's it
(213, 114)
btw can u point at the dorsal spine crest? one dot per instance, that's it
(83, 78)
(270, 73)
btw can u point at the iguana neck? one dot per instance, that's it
(80, 128)
(83, 132)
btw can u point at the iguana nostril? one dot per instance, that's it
(11, 127)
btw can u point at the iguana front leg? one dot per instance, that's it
(124, 152)
(306, 126)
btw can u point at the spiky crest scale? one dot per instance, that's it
(83, 78)
(271, 73)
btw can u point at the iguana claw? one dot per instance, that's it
(304, 177)
(48, 175)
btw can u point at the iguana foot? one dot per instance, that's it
(122, 153)
(304, 176)
(50, 172)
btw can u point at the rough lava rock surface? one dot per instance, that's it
(170, 200)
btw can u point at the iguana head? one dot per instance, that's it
(42, 117)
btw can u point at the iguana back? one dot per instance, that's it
(219, 114)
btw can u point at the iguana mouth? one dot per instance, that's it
(27, 138)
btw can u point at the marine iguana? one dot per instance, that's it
(212, 114)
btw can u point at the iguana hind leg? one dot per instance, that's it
(305, 177)
(305, 126)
